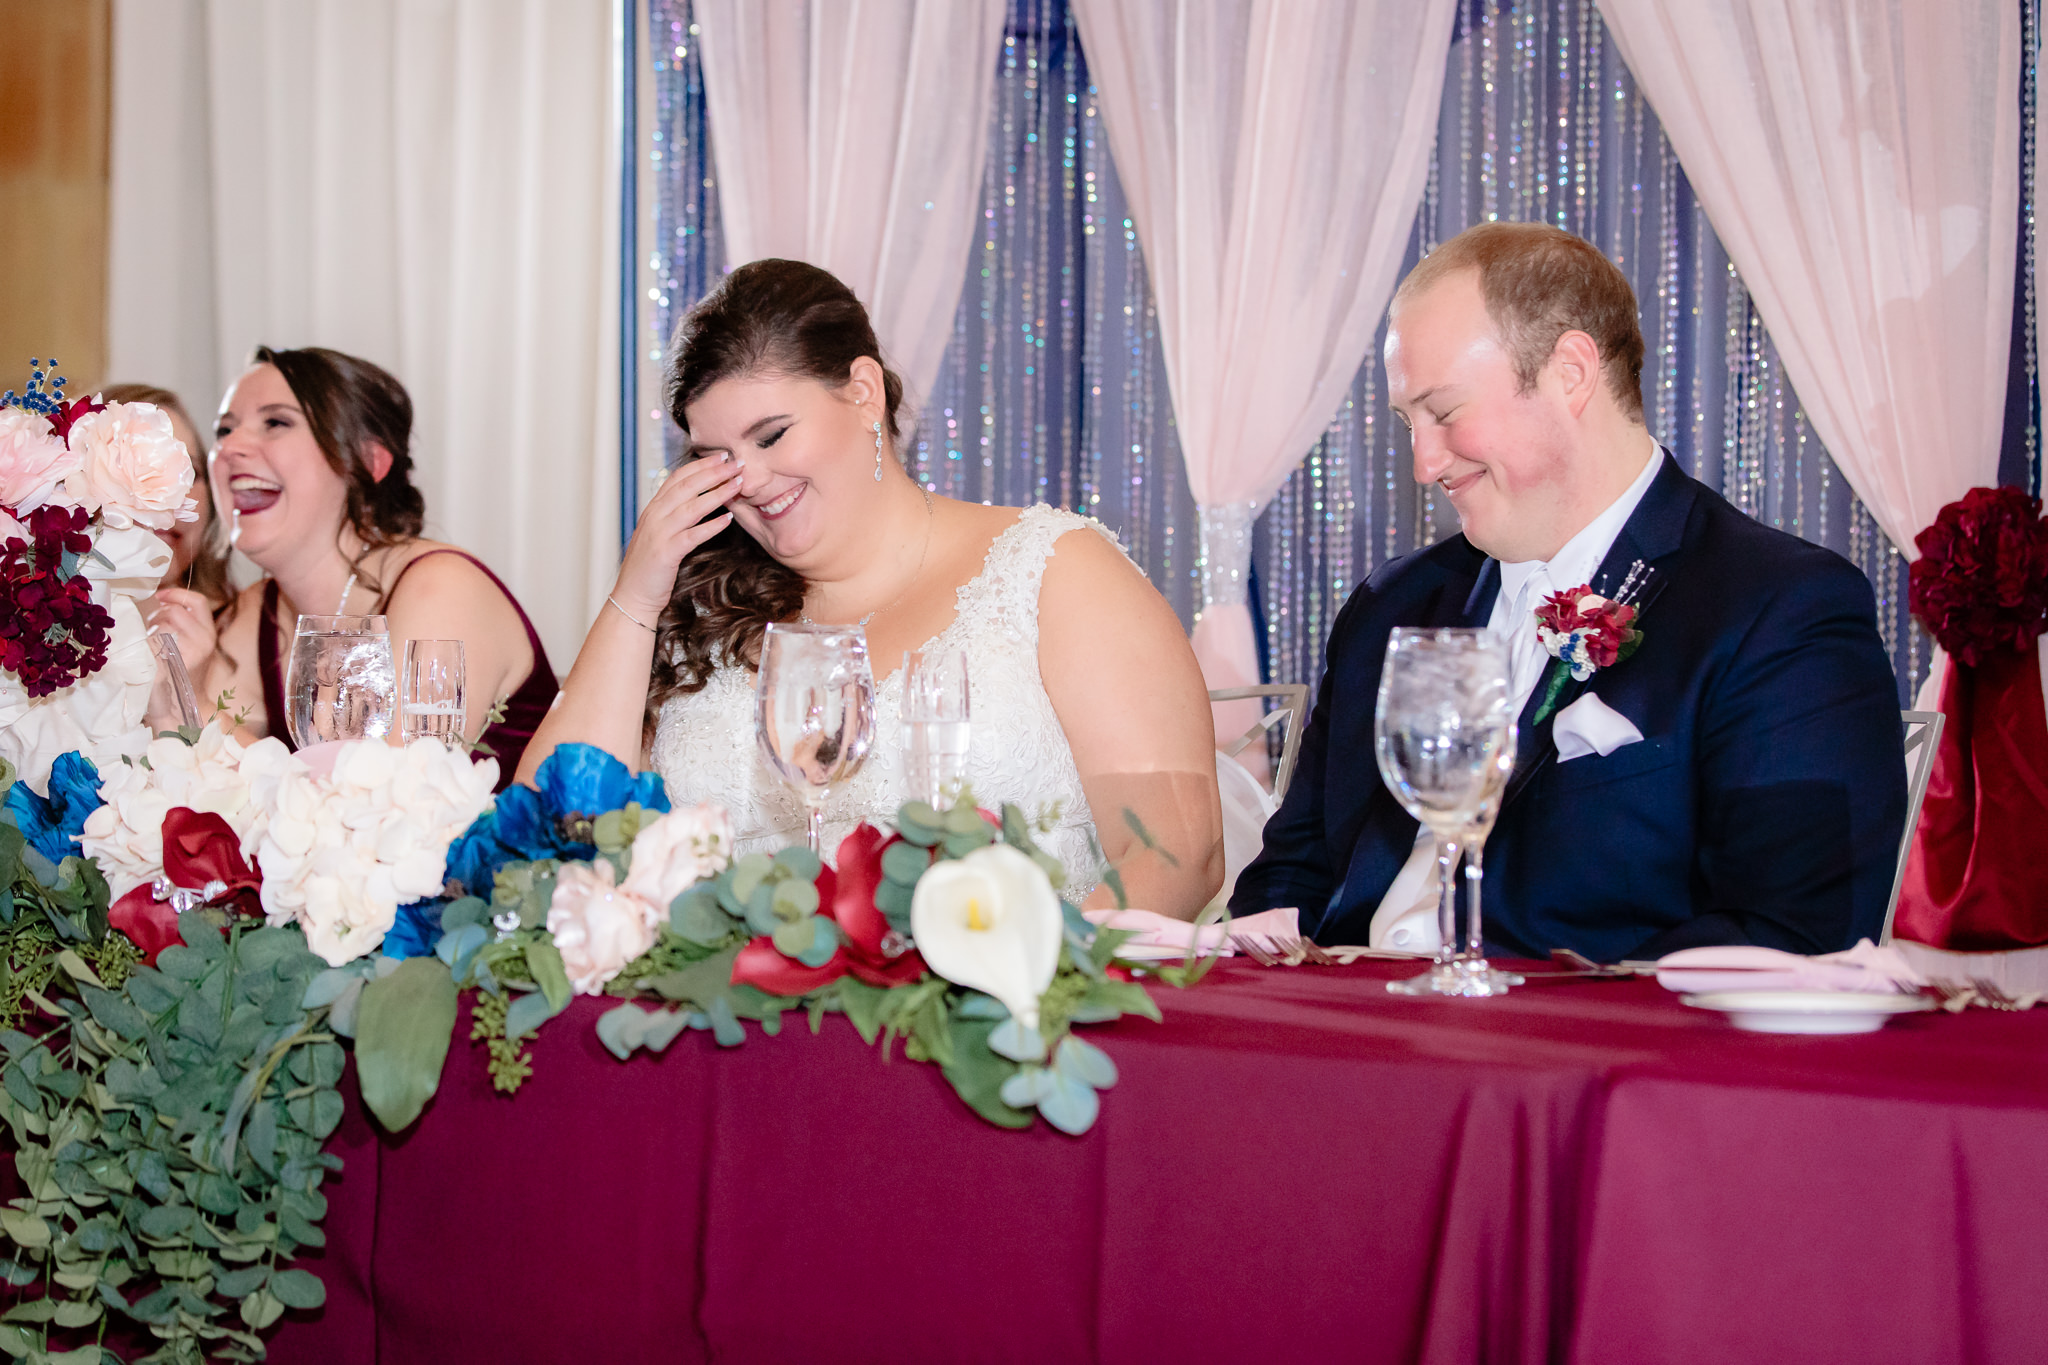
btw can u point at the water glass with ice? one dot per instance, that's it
(340, 683)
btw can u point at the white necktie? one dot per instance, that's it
(1526, 655)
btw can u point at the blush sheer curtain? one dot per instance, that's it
(431, 187)
(1858, 158)
(851, 134)
(1274, 153)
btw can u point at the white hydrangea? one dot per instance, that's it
(343, 850)
(218, 774)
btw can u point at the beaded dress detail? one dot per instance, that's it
(705, 750)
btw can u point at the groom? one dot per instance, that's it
(1738, 778)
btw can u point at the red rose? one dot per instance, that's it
(1981, 582)
(847, 898)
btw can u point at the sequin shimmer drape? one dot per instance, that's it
(1053, 386)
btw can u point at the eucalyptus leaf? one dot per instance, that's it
(1020, 1044)
(977, 1075)
(327, 987)
(261, 1309)
(697, 916)
(1082, 1060)
(1070, 1104)
(403, 1025)
(464, 910)
(544, 962)
(799, 862)
(622, 1030)
(527, 1013)
(903, 864)
(298, 1288)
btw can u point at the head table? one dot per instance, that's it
(1295, 1165)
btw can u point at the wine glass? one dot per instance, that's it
(430, 696)
(814, 711)
(340, 683)
(935, 724)
(1442, 718)
(1471, 963)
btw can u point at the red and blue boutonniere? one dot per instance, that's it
(1586, 632)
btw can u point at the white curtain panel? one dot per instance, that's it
(432, 186)
(851, 134)
(1859, 160)
(1274, 153)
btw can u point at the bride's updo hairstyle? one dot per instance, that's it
(781, 318)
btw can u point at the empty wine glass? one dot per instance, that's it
(430, 696)
(1442, 719)
(814, 711)
(340, 683)
(935, 725)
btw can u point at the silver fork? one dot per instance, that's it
(1993, 996)
(1245, 944)
(1955, 996)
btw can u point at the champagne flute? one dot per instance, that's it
(935, 725)
(430, 692)
(172, 705)
(340, 683)
(1442, 718)
(814, 711)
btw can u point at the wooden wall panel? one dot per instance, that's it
(53, 187)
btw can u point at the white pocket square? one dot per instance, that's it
(1590, 726)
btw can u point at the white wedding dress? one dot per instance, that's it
(705, 750)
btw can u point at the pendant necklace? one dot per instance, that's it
(804, 615)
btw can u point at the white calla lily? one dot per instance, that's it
(990, 922)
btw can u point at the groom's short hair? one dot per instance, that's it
(1540, 282)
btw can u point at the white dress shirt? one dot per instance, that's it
(1406, 918)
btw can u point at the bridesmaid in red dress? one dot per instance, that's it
(311, 466)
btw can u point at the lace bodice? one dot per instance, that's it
(704, 746)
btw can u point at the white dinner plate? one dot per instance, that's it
(1807, 1011)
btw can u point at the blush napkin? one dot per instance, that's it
(1159, 939)
(1866, 969)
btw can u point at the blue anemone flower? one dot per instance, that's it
(416, 930)
(576, 784)
(52, 824)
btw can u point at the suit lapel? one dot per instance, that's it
(1652, 533)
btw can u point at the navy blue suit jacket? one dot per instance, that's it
(1763, 805)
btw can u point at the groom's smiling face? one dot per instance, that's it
(1504, 456)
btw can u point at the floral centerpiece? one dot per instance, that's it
(84, 486)
(173, 1050)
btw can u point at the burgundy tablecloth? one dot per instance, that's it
(1295, 1166)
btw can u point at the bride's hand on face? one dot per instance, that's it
(674, 524)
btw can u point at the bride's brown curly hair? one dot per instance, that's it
(772, 317)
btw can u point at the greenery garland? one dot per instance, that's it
(168, 1121)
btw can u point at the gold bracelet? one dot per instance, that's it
(628, 615)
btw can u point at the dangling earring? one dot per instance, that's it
(878, 452)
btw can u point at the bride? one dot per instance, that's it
(792, 506)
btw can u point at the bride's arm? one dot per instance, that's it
(605, 695)
(1130, 697)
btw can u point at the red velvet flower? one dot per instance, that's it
(202, 853)
(1981, 582)
(51, 631)
(848, 900)
(63, 415)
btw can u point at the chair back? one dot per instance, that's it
(1923, 737)
(1291, 712)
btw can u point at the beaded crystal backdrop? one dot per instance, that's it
(1054, 389)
